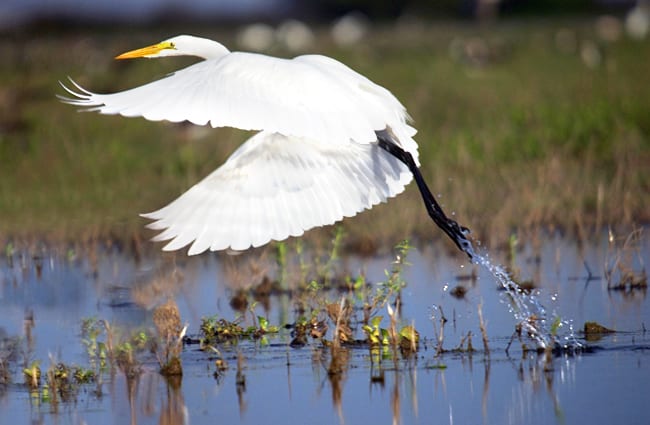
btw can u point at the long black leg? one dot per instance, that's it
(456, 232)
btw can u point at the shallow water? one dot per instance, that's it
(606, 383)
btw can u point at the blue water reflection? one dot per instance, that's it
(606, 384)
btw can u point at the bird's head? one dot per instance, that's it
(181, 45)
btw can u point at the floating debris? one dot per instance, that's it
(593, 328)
(458, 292)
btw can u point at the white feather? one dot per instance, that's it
(314, 161)
(276, 186)
(298, 97)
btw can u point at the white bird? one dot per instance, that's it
(331, 143)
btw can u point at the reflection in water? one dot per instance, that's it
(151, 398)
(240, 383)
(28, 332)
(132, 384)
(336, 373)
(395, 398)
(403, 372)
(405, 376)
(173, 411)
(486, 387)
(537, 377)
(364, 385)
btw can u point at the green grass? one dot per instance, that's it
(531, 138)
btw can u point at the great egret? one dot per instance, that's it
(330, 144)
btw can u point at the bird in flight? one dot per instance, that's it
(329, 144)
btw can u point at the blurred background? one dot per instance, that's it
(532, 114)
(17, 13)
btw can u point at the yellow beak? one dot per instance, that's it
(148, 51)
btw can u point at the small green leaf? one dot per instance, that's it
(264, 322)
(409, 333)
(375, 321)
(385, 337)
(557, 323)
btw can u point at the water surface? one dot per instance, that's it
(607, 382)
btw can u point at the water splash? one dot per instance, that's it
(530, 314)
(532, 318)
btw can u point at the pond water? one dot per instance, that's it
(44, 300)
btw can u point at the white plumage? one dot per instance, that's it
(314, 161)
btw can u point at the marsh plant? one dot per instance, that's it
(311, 268)
(359, 295)
(170, 332)
(625, 267)
(92, 331)
(218, 330)
(63, 381)
(59, 383)
(387, 292)
(340, 313)
(109, 346)
(9, 349)
(32, 374)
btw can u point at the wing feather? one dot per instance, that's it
(314, 161)
(274, 187)
(310, 96)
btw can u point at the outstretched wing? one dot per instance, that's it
(314, 97)
(276, 186)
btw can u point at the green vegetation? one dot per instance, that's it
(323, 299)
(519, 127)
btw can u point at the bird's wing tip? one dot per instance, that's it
(79, 96)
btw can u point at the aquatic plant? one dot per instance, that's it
(32, 374)
(325, 271)
(315, 267)
(483, 328)
(281, 261)
(619, 268)
(170, 332)
(340, 313)
(391, 287)
(9, 254)
(111, 346)
(60, 383)
(126, 360)
(409, 340)
(216, 330)
(83, 375)
(9, 348)
(97, 351)
(439, 315)
(594, 331)
(374, 334)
